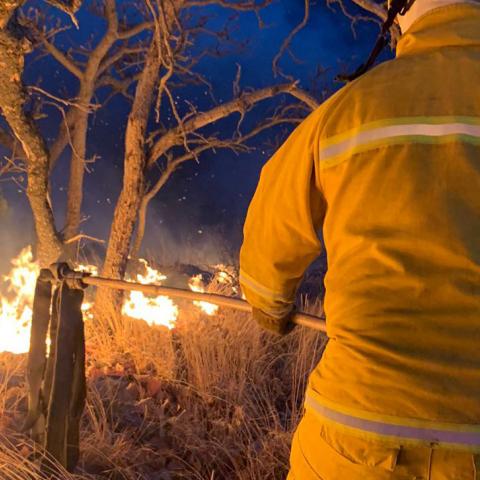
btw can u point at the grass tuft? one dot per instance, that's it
(215, 398)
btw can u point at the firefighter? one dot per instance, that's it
(389, 169)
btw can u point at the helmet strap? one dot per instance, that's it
(398, 7)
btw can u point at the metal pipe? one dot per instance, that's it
(303, 319)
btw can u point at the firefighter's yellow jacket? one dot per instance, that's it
(389, 168)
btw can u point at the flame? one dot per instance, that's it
(16, 299)
(154, 310)
(196, 285)
(223, 277)
(151, 275)
(87, 310)
(16, 306)
(81, 267)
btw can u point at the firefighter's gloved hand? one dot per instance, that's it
(280, 326)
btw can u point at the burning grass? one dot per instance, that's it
(213, 397)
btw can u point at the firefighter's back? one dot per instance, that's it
(399, 164)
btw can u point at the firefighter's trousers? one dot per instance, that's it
(322, 452)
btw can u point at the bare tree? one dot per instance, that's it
(166, 63)
(92, 73)
(241, 105)
(12, 105)
(133, 182)
(149, 62)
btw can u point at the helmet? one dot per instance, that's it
(421, 7)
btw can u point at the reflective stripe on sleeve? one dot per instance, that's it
(339, 148)
(457, 436)
(260, 289)
(271, 302)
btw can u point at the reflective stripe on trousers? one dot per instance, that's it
(322, 452)
(404, 431)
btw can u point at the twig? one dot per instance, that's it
(288, 40)
(67, 103)
(82, 236)
(176, 136)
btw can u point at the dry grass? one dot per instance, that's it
(216, 398)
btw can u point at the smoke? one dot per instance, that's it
(3, 206)
(170, 244)
(16, 225)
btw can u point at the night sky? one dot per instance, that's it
(198, 216)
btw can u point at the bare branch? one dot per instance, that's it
(70, 7)
(196, 78)
(288, 40)
(117, 86)
(304, 97)
(137, 29)
(64, 136)
(67, 6)
(245, 6)
(273, 122)
(381, 12)
(370, 6)
(9, 168)
(61, 58)
(111, 35)
(237, 144)
(15, 163)
(236, 82)
(241, 104)
(167, 57)
(62, 140)
(82, 236)
(68, 103)
(118, 55)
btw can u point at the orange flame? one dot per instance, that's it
(154, 310)
(16, 300)
(16, 306)
(196, 285)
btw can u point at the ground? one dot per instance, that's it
(213, 398)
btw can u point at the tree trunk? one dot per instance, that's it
(80, 132)
(108, 302)
(141, 225)
(142, 212)
(75, 184)
(12, 101)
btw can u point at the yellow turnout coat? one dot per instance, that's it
(389, 168)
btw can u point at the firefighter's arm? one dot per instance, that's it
(281, 229)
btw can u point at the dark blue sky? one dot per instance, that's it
(201, 210)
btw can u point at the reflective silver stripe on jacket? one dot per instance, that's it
(398, 131)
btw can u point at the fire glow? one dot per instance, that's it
(196, 285)
(16, 306)
(154, 310)
(17, 300)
